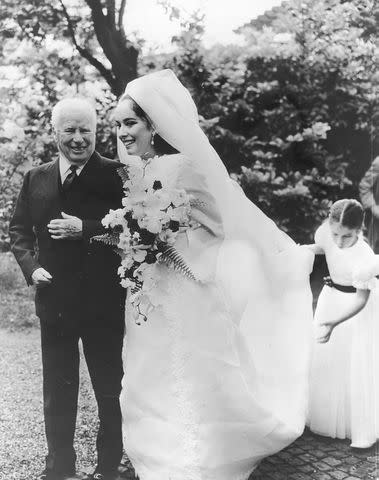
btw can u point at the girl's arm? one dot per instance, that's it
(326, 328)
(361, 298)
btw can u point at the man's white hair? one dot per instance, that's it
(72, 103)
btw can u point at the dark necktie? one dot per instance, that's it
(70, 178)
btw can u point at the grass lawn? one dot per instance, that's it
(16, 298)
(22, 439)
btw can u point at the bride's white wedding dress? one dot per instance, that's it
(216, 378)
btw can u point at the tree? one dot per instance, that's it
(293, 113)
(307, 108)
(94, 28)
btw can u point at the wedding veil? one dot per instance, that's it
(173, 114)
(256, 258)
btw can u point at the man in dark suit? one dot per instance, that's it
(78, 295)
(369, 193)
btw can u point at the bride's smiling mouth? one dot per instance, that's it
(127, 142)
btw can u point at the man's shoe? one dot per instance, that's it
(75, 476)
(49, 475)
(103, 476)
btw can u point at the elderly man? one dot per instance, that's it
(369, 193)
(78, 295)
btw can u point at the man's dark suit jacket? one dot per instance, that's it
(85, 280)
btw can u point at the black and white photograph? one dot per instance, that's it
(189, 240)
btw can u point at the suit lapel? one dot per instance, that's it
(90, 173)
(50, 186)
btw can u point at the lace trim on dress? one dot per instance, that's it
(181, 388)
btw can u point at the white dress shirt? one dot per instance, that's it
(64, 167)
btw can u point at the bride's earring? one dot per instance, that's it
(152, 138)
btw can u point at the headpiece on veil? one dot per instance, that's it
(162, 92)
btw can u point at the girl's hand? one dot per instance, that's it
(323, 333)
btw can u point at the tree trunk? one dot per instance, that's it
(121, 53)
(123, 58)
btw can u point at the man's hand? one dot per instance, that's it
(375, 211)
(66, 228)
(41, 277)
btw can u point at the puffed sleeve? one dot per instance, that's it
(203, 206)
(321, 235)
(365, 269)
(199, 244)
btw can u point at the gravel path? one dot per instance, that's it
(22, 441)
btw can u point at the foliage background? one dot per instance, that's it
(293, 113)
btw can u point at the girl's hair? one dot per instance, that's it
(347, 212)
(160, 145)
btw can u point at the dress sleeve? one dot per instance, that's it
(203, 206)
(320, 236)
(199, 245)
(366, 258)
(22, 234)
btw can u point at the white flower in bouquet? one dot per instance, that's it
(168, 237)
(125, 239)
(180, 197)
(127, 260)
(179, 214)
(114, 218)
(161, 198)
(138, 253)
(126, 283)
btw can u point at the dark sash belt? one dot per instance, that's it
(342, 288)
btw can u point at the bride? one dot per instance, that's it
(216, 378)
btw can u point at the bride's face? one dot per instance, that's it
(134, 132)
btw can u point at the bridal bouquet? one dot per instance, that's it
(145, 229)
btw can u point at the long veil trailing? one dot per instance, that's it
(264, 273)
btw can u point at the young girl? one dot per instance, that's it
(344, 368)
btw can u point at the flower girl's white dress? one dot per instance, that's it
(216, 378)
(345, 371)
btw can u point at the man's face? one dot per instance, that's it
(75, 135)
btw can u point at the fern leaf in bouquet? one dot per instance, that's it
(137, 287)
(123, 173)
(111, 239)
(171, 257)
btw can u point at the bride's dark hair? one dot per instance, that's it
(160, 145)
